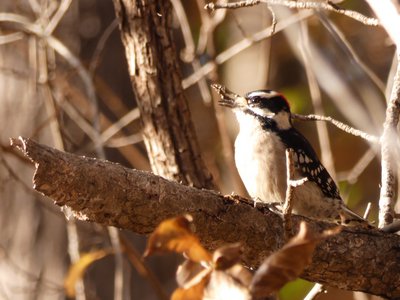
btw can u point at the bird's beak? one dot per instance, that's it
(229, 98)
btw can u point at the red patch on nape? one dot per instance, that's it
(284, 98)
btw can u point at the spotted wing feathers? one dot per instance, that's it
(316, 172)
(307, 162)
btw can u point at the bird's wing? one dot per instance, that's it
(307, 162)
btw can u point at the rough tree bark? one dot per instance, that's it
(168, 132)
(100, 191)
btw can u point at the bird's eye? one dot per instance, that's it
(253, 101)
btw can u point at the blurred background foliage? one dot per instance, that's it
(76, 96)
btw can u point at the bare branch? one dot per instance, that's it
(338, 124)
(136, 260)
(59, 14)
(11, 38)
(367, 210)
(129, 117)
(233, 5)
(389, 138)
(388, 14)
(299, 5)
(290, 186)
(100, 46)
(107, 193)
(288, 206)
(188, 53)
(352, 175)
(315, 292)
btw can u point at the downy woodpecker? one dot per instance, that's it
(266, 131)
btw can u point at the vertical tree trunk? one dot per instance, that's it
(167, 128)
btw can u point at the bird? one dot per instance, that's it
(266, 132)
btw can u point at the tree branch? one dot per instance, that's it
(389, 16)
(300, 5)
(388, 144)
(346, 128)
(168, 131)
(107, 193)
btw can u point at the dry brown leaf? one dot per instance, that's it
(174, 235)
(77, 270)
(287, 263)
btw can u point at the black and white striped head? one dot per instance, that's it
(271, 105)
(265, 106)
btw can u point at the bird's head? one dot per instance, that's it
(265, 105)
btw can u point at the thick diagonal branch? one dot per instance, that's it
(107, 193)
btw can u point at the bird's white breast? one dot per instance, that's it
(260, 160)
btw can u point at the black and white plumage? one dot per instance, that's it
(266, 132)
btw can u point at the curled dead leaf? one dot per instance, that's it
(174, 235)
(287, 263)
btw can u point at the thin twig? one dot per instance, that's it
(100, 46)
(124, 141)
(131, 116)
(141, 267)
(288, 205)
(208, 25)
(234, 5)
(367, 210)
(291, 184)
(11, 38)
(352, 175)
(75, 115)
(59, 14)
(188, 53)
(299, 5)
(351, 130)
(35, 6)
(274, 20)
(316, 290)
(120, 289)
